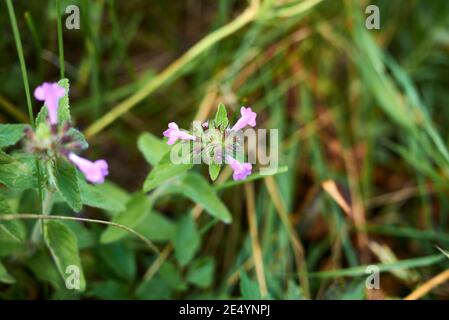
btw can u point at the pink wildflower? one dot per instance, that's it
(241, 170)
(50, 93)
(173, 133)
(93, 171)
(248, 118)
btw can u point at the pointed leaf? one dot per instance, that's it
(10, 134)
(5, 277)
(13, 229)
(196, 188)
(5, 158)
(221, 117)
(201, 272)
(214, 171)
(164, 171)
(67, 184)
(156, 227)
(20, 174)
(136, 210)
(63, 247)
(95, 196)
(248, 288)
(187, 240)
(152, 148)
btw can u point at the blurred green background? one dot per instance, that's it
(363, 128)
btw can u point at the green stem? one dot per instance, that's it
(47, 204)
(18, 41)
(30, 216)
(60, 40)
(26, 85)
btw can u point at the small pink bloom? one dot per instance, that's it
(93, 171)
(241, 170)
(248, 118)
(50, 93)
(173, 133)
(205, 125)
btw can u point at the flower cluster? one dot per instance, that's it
(213, 137)
(52, 139)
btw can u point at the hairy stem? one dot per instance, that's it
(47, 204)
(30, 216)
(15, 30)
(60, 41)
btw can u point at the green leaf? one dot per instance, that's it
(252, 177)
(214, 170)
(95, 196)
(155, 289)
(196, 188)
(152, 148)
(78, 137)
(5, 158)
(12, 229)
(67, 184)
(221, 117)
(64, 107)
(172, 276)
(19, 174)
(201, 272)
(10, 134)
(45, 270)
(187, 240)
(136, 210)
(84, 236)
(5, 277)
(109, 290)
(156, 227)
(164, 171)
(248, 288)
(120, 259)
(63, 247)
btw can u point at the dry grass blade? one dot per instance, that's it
(331, 188)
(427, 286)
(257, 251)
(170, 72)
(298, 248)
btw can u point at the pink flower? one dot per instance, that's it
(205, 125)
(173, 133)
(248, 119)
(93, 171)
(241, 170)
(50, 93)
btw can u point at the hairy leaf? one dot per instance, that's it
(136, 210)
(67, 184)
(63, 247)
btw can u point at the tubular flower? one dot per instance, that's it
(50, 93)
(94, 172)
(248, 118)
(241, 170)
(173, 133)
